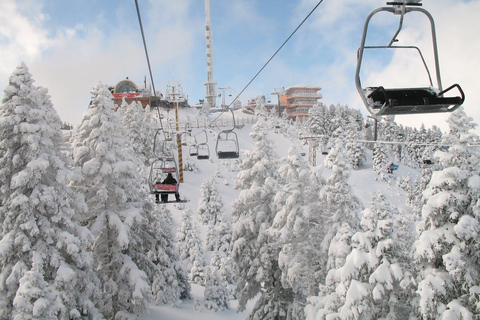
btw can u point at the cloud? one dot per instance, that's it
(21, 35)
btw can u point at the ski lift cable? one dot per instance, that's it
(271, 58)
(148, 62)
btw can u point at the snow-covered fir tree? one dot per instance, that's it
(138, 131)
(366, 279)
(210, 204)
(293, 229)
(354, 151)
(216, 294)
(45, 269)
(189, 242)
(447, 252)
(380, 161)
(317, 120)
(118, 213)
(170, 283)
(339, 203)
(252, 215)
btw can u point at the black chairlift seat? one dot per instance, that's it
(413, 100)
(227, 155)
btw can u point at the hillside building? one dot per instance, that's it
(297, 100)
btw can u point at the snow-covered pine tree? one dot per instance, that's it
(171, 283)
(316, 121)
(210, 204)
(366, 279)
(447, 252)
(252, 216)
(294, 230)
(216, 295)
(213, 237)
(138, 131)
(197, 273)
(354, 151)
(224, 237)
(188, 237)
(339, 203)
(118, 212)
(45, 269)
(379, 159)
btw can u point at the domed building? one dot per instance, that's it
(130, 91)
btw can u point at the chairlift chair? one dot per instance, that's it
(227, 143)
(392, 101)
(203, 151)
(159, 170)
(193, 150)
(160, 145)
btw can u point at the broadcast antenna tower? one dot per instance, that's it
(210, 94)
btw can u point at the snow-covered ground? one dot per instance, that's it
(363, 181)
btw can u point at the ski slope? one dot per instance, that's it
(363, 181)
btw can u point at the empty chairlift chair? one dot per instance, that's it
(203, 151)
(227, 143)
(380, 100)
(160, 145)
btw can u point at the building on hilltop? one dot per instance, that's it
(297, 100)
(130, 91)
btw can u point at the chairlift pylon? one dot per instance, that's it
(227, 143)
(393, 101)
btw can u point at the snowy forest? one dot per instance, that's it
(82, 238)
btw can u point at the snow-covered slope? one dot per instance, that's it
(363, 181)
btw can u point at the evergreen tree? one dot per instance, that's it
(339, 203)
(45, 270)
(366, 278)
(188, 237)
(294, 228)
(169, 278)
(253, 215)
(446, 253)
(137, 130)
(210, 204)
(216, 292)
(379, 159)
(118, 214)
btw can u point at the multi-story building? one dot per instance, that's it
(297, 100)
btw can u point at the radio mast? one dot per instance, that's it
(210, 94)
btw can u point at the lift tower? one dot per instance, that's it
(210, 94)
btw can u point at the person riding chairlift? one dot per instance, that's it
(170, 180)
(390, 168)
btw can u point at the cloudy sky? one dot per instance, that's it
(71, 45)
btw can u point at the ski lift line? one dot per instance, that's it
(283, 44)
(148, 61)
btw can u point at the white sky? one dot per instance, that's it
(71, 45)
